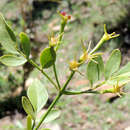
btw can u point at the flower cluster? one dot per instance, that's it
(89, 56)
(64, 16)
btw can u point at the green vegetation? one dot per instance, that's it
(86, 24)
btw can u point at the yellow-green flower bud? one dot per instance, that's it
(73, 65)
(84, 57)
(105, 38)
(53, 41)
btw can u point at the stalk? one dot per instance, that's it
(55, 100)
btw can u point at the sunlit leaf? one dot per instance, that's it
(37, 94)
(124, 69)
(54, 114)
(95, 70)
(11, 60)
(121, 79)
(7, 36)
(28, 107)
(113, 63)
(47, 57)
(25, 42)
(45, 129)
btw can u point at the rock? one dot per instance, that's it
(53, 23)
(17, 92)
(81, 82)
(53, 126)
(109, 120)
(28, 82)
(57, 28)
(46, 14)
(127, 128)
(41, 37)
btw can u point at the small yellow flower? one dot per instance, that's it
(107, 36)
(54, 40)
(86, 56)
(73, 65)
(118, 89)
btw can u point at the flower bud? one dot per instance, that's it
(53, 41)
(73, 65)
(107, 36)
(64, 16)
(84, 57)
(63, 13)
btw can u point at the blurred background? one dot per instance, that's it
(39, 18)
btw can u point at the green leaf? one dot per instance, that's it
(52, 116)
(29, 122)
(11, 60)
(95, 70)
(121, 79)
(37, 94)
(28, 107)
(25, 41)
(47, 57)
(113, 63)
(45, 129)
(124, 69)
(122, 76)
(7, 36)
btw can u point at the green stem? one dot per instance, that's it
(55, 100)
(41, 70)
(65, 85)
(33, 125)
(62, 27)
(54, 68)
(88, 91)
(99, 44)
(99, 85)
(80, 92)
(49, 109)
(35, 65)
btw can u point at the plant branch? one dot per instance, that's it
(99, 85)
(54, 69)
(41, 70)
(49, 109)
(35, 65)
(80, 92)
(55, 100)
(65, 85)
(62, 27)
